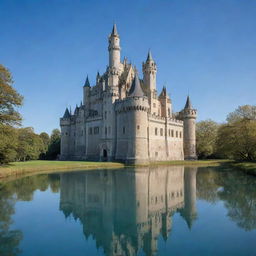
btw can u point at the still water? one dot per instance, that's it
(145, 211)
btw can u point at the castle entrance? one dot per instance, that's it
(105, 155)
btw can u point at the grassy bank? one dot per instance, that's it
(34, 167)
(38, 166)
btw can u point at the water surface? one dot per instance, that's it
(145, 211)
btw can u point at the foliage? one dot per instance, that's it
(54, 145)
(238, 140)
(206, 136)
(9, 99)
(246, 112)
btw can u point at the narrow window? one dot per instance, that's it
(161, 132)
(169, 132)
(180, 134)
(106, 130)
(123, 129)
(172, 133)
(138, 127)
(105, 114)
(155, 131)
(176, 134)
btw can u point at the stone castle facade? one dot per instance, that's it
(123, 118)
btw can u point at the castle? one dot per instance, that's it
(122, 118)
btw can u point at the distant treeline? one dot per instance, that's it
(235, 139)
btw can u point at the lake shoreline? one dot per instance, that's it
(18, 169)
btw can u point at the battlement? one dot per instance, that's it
(64, 121)
(132, 104)
(189, 113)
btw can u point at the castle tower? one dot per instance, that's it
(114, 57)
(149, 79)
(132, 125)
(86, 91)
(165, 103)
(189, 131)
(65, 135)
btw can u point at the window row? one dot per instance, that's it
(171, 133)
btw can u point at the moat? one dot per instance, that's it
(161, 210)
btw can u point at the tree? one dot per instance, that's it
(46, 141)
(8, 144)
(30, 145)
(245, 112)
(237, 140)
(9, 99)
(54, 146)
(206, 136)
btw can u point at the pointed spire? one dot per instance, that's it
(163, 92)
(87, 83)
(66, 114)
(188, 103)
(136, 90)
(114, 30)
(149, 58)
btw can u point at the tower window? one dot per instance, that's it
(172, 133)
(138, 127)
(155, 131)
(123, 129)
(106, 130)
(96, 130)
(169, 132)
(180, 134)
(105, 114)
(161, 132)
(177, 134)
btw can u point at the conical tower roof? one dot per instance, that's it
(114, 31)
(66, 114)
(188, 104)
(136, 90)
(87, 83)
(149, 58)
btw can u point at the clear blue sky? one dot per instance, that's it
(204, 47)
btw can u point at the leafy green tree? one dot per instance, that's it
(46, 141)
(30, 145)
(246, 112)
(237, 140)
(206, 136)
(9, 99)
(8, 144)
(54, 146)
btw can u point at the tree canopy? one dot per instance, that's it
(9, 99)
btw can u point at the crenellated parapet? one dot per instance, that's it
(189, 113)
(132, 104)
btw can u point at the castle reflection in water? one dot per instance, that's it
(127, 210)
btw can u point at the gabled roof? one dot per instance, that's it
(136, 90)
(66, 114)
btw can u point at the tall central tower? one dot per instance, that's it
(114, 57)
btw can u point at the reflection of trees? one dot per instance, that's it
(10, 193)
(207, 188)
(239, 194)
(235, 189)
(9, 239)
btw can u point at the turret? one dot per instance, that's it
(149, 73)
(86, 90)
(114, 48)
(114, 57)
(149, 79)
(65, 133)
(165, 103)
(189, 140)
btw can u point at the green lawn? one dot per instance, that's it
(40, 166)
